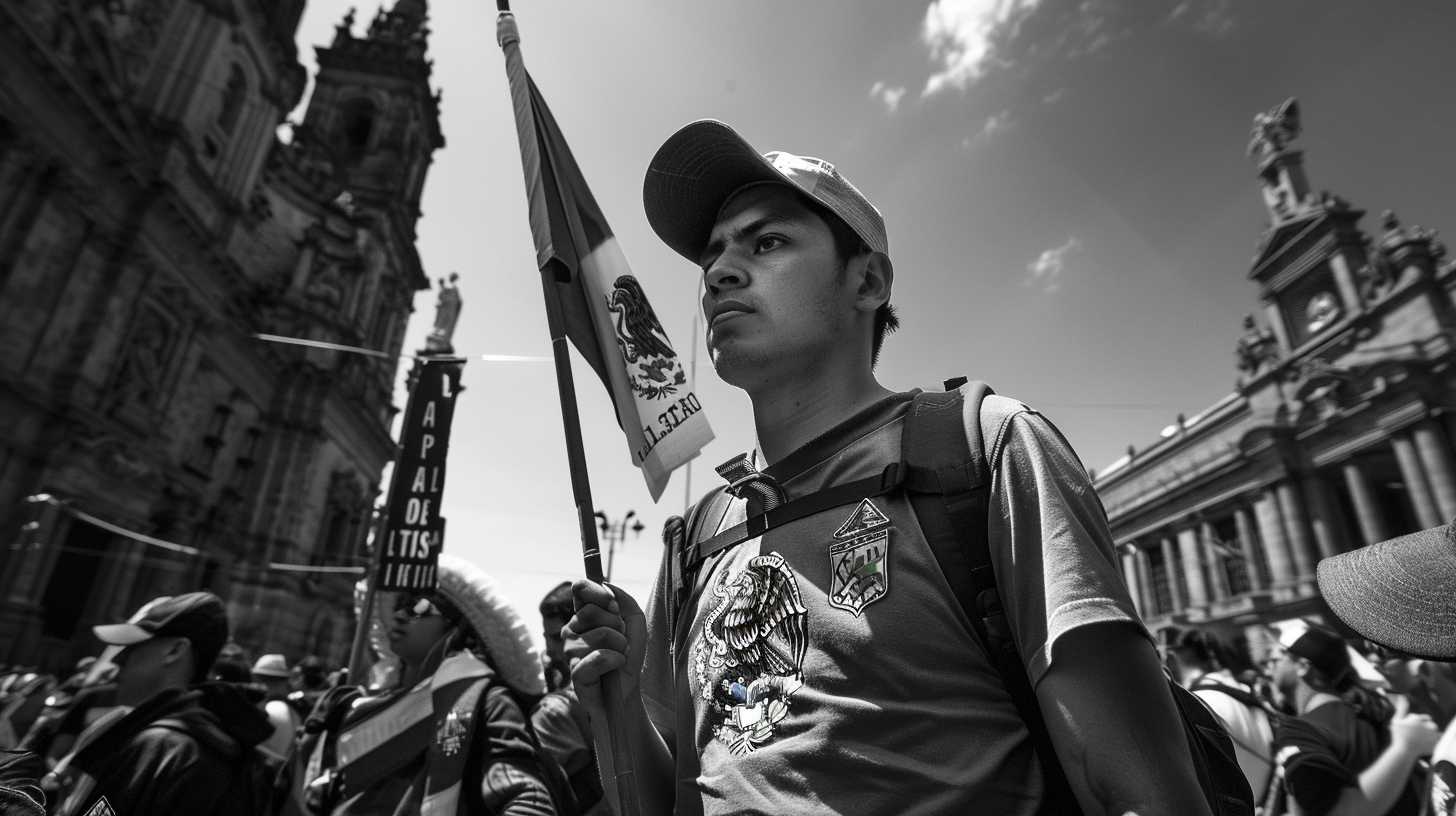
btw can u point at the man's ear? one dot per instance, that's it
(876, 280)
(180, 649)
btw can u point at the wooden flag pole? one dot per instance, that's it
(617, 764)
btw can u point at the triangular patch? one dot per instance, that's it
(866, 517)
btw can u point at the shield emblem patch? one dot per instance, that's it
(859, 560)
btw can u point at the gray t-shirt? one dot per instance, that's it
(828, 668)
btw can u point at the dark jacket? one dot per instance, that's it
(20, 773)
(179, 752)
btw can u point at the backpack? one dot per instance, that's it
(945, 471)
(1251, 700)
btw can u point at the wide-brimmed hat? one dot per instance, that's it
(701, 166)
(1399, 593)
(508, 641)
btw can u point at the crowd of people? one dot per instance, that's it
(898, 603)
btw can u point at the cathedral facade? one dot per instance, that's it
(1339, 430)
(156, 216)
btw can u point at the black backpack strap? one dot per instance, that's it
(948, 479)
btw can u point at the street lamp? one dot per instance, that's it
(614, 531)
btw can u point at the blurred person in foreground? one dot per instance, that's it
(1349, 750)
(271, 671)
(560, 719)
(451, 737)
(1201, 661)
(1401, 594)
(175, 744)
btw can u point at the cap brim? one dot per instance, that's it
(121, 634)
(691, 177)
(273, 674)
(1399, 593)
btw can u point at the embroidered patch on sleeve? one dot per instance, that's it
(859, 560)
(101, 808)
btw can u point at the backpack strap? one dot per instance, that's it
(948, 478)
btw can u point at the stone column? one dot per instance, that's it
(1296, 527)
(1324, 517)
(1249, 546)
(1372, 523)
(1218, 583)
(1145, 584)
(1172, 570)
(1435, 456)
(1415, 481)
(1129, 577)
(1192, 551)
(1276, 543)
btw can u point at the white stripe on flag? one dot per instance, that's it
(656, 405)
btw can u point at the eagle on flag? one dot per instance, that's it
(643, 341)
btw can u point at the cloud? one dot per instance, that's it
(1045, 272)
(961, 35)
(1054, 97)
(1213, 18)
(889, 96)
(994, 124)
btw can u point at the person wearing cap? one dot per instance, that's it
(452, 736)
(272, 673)
(175, 743)
(309, 682)
(560, 720)
(788, 685)
(1349, 750)
(1401, 594)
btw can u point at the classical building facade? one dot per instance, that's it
(153, 220)
(1338, 433)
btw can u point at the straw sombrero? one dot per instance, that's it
(511, 647)
(1399, 593)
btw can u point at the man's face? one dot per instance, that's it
(143, 668)
(775, 293)
(1286, 671)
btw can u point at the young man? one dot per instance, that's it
(1349, 750)
(175, 744)
(826, 666)
(272, 673)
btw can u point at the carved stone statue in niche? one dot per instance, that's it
(139, 383)
(1256, 347)
(326, 284)
(447, 314)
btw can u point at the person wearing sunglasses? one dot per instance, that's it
(450, 735)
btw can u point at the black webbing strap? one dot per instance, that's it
(888, 480)
(949, 482)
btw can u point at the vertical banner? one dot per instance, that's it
(414, 532)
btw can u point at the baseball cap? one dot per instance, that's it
(1325, 650)
(1399, 593)
(702, 165)
(271, 665)
(198, 616)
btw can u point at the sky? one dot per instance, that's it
(1070, 209)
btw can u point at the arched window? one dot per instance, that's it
(356, 126)
(233, 95)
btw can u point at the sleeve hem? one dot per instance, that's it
(1075, 615)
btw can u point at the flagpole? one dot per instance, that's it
(620, 761)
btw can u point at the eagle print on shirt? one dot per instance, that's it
(750, 658)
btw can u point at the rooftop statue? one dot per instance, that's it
(1275, 129)
(447, 314)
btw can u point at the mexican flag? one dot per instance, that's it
(593, 297)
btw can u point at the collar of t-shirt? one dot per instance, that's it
(825, 445)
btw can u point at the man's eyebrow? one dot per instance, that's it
(715, 246)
